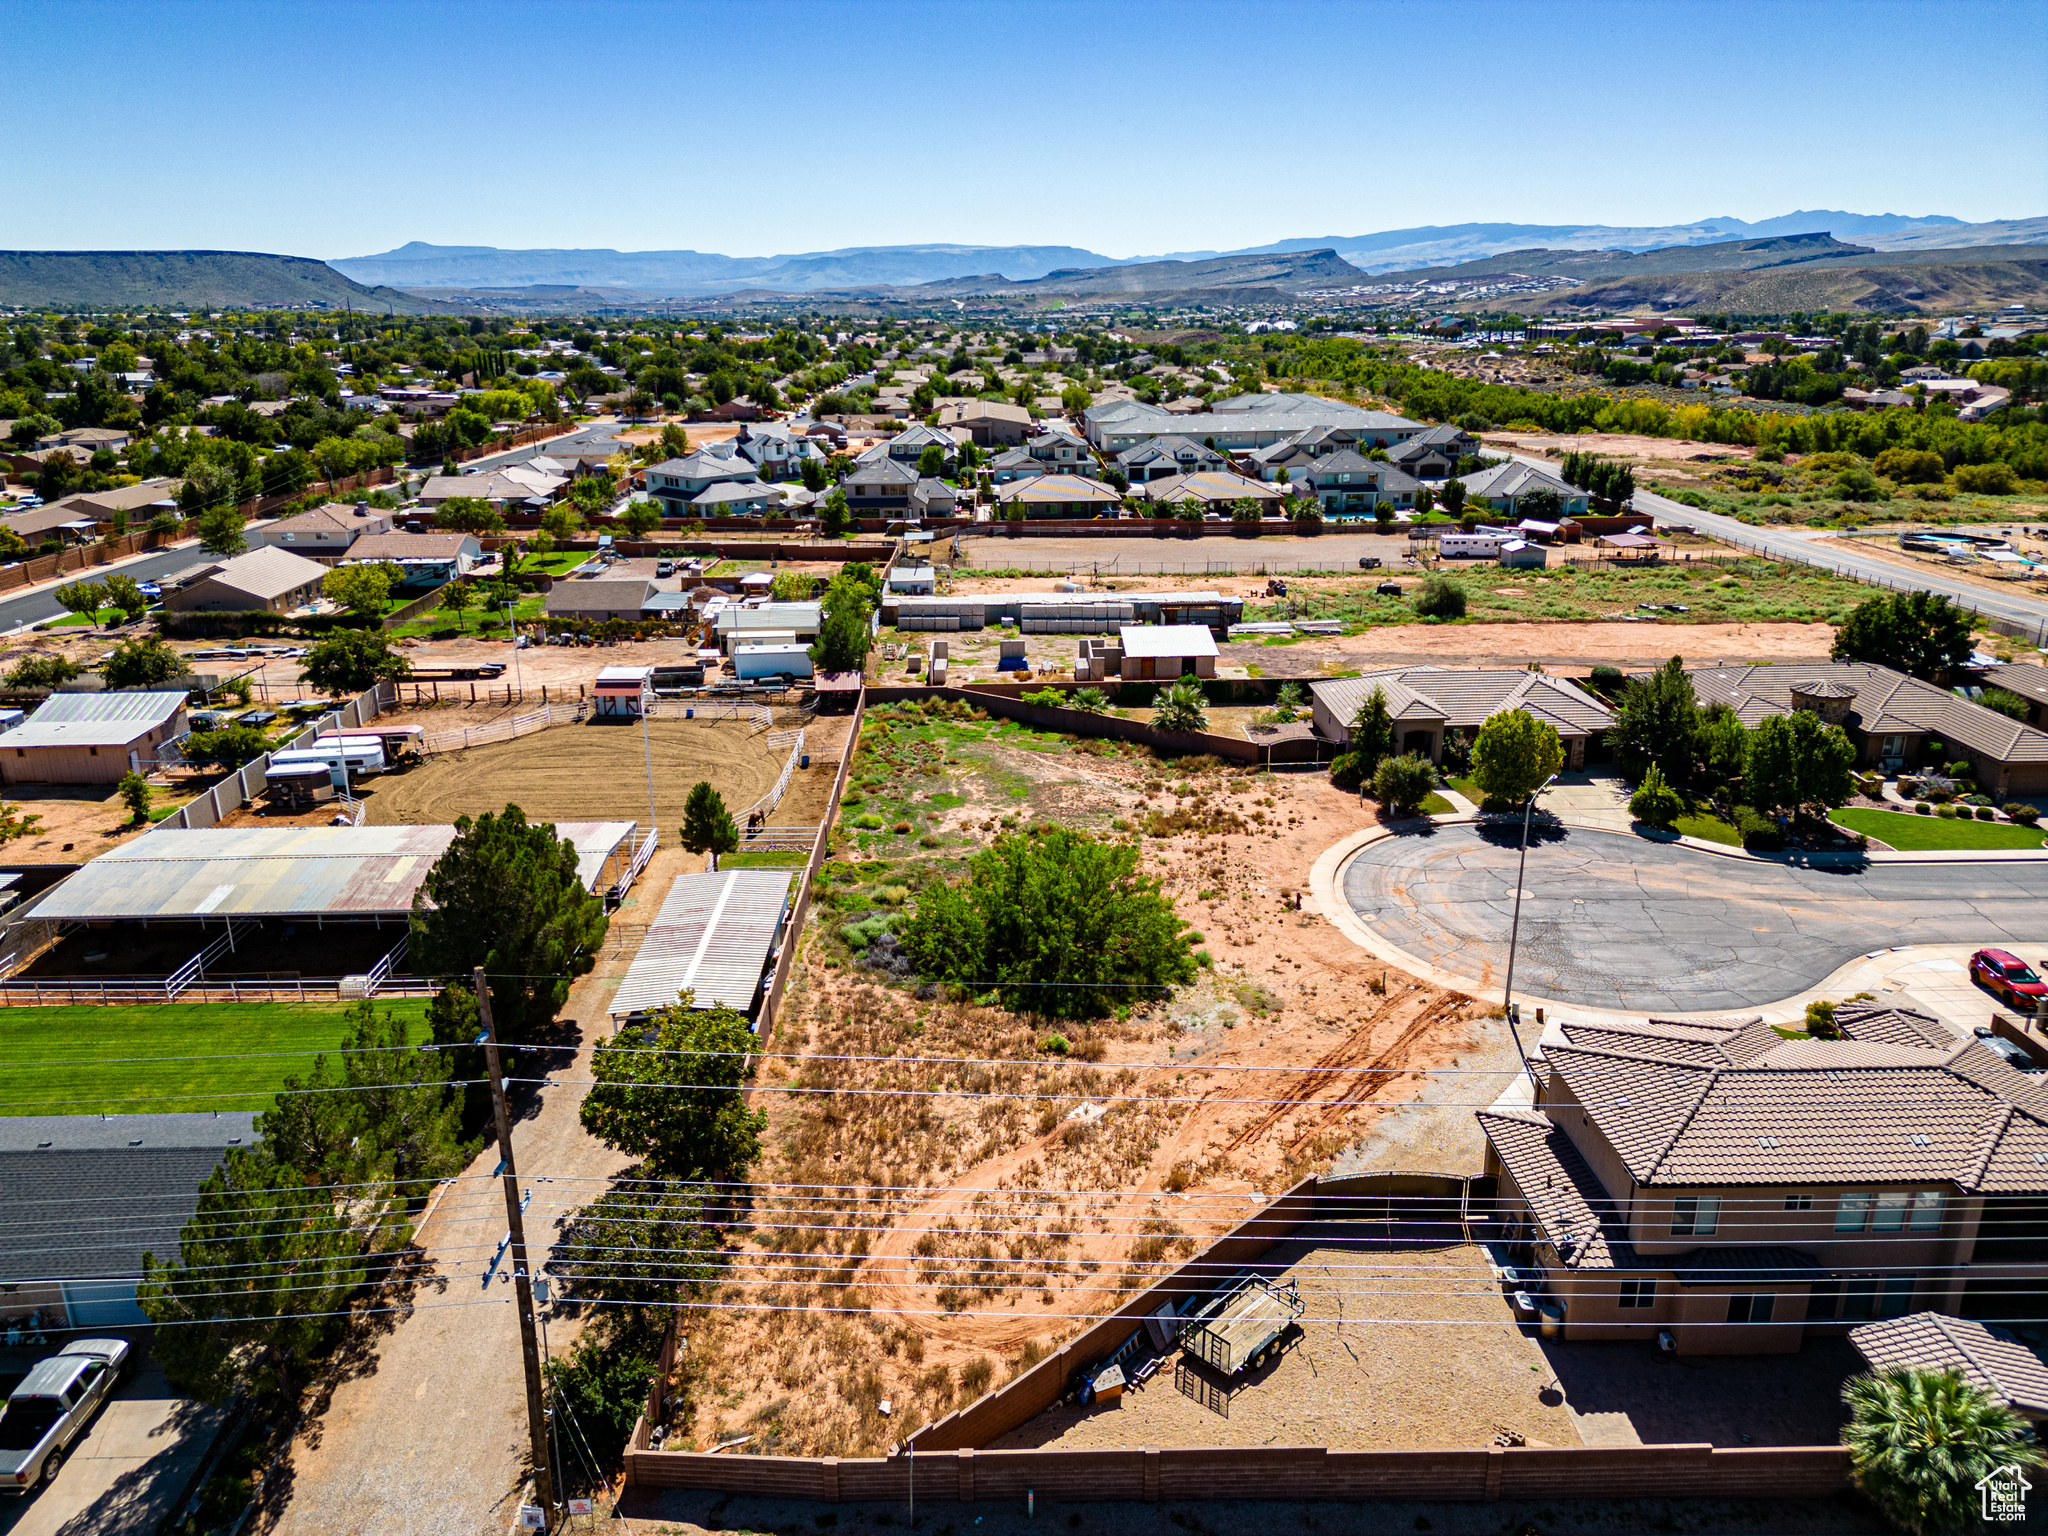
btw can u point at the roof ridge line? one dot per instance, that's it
(1995, 1128)
(1684, 1121)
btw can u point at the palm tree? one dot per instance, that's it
(1920, 1441)
(1181, 707)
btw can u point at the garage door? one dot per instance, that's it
(102, 1304)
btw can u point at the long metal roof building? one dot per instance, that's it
(712, 938)
(224, 872)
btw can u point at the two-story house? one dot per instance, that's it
(322, 533)
(675, 483)
(1505, 487)
(1347, 481)
(1735, 1189)
(1433, 455)
(1164, 456)
(880, 488)
(774, 450)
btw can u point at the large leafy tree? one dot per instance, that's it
(260, 1269)
(1658, 721)
(1514, 754)
(1920, 1441)
(352, 660)
(1918, 632)
(362, 589)
(1797, 764)
(671, 1095)
(1056, 922)
(1372, 732)
(220, 531)
(469, 514)
(506, 896)
(382, 1114)
(845, 630)
(143, 662)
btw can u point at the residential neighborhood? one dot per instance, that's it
(1022, 862)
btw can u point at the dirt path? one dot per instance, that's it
(430, 1435)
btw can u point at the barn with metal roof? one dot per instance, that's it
(91, 738)
(716, 937)
(294, 872)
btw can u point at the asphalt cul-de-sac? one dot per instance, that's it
(1621, 922)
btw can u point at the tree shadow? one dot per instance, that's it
(372, 1319)
(1506, 831)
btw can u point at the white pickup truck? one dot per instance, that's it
(52, 1406)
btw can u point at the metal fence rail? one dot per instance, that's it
(19, 993)
(503, 730)
(767, 803)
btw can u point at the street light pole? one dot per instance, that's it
(1515, 925)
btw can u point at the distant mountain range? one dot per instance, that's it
(696, 274)
(190, 280)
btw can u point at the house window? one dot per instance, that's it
(1891, 1211)
(1852, 1214)
(1751, 1309)
(1927, 1204)
(1695, 1216)
(92, 751)
(1638, 1293)
(1799, 1202)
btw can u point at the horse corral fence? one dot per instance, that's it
(503, 730)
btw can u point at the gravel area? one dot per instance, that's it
(1357, 1378)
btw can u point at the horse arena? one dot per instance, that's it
(590, 770)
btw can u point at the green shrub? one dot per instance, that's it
(1985, 813)
(1945, 810)
(1655, 801)
(1055, 1045)
(1820, 1021)
(1760, 834)
(863, 933)
(1401, 784)
(1347, 770)
(1923, 809)
(1439, 597)
(2023, 813)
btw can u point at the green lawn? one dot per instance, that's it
(1708, 827)
(1437, 805)
(80, 620)
(1909, 832)
(221, 1056)
(766, 858)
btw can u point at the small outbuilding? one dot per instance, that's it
(1168, 651)
(622, 690)
(1520, 554)
(91, 738)
(716, 938)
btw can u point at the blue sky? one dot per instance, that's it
(761, 126)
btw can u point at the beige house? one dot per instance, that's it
(322, 533)
(1427, 703)
(598, 598)
(1734, 1189)
(91, 738)
(987, 422)
(264, 580)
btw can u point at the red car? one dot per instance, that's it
(2007, 976)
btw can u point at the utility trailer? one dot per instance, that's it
(1244, 1325)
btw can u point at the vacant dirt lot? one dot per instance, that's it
(1572, 646)
(593, 771)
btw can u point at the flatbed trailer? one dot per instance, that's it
(1240, 1328)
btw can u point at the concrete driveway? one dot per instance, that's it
(130, 1473)
(1615, 921)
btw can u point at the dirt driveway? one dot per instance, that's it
(430, 1434)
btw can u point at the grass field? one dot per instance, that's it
(1712, 592)
(1708, 827)
(1910, 833)
(221, 1056)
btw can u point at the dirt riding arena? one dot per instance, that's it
(595, 770)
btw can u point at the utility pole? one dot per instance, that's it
(522, 1274)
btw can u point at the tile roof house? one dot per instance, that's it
(774, 449)
(1989, 1359)
(1211, 487)
(1506, 486)
(1433, 455)
(988, 422)
(1347, 481)
(1072, 496)
(426, 559)
(1889, 716)
(880, 488)
(1428, 703)
(2027, 679)
(1736, 1191)
(598, 598)
(734, 498)
(266, 580)
(513, 485)
(1163, 456)
(677, 482)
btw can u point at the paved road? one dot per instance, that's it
(34, 607)
(1616, 921)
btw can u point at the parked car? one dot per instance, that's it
(52, 1406)
(2007, 976)
(1388, 589)
(664, 568)
(1368, 562)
